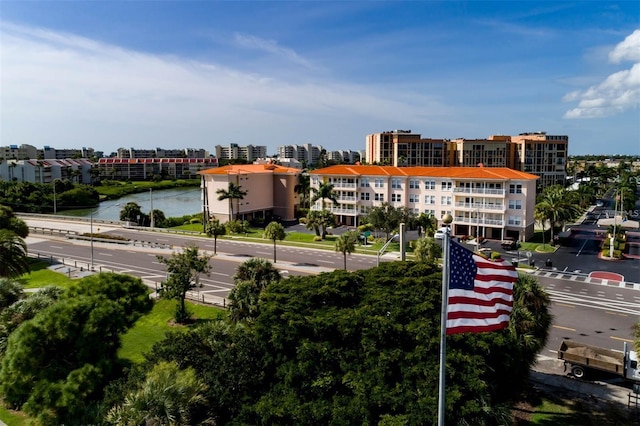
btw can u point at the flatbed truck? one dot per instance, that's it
(581, 358)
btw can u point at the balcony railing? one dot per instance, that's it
(479, 191)
(347, 199)
(338, 185)
(481, 206)
(474, 221)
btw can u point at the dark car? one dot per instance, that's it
(509, 244)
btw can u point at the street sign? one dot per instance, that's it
(529, 254)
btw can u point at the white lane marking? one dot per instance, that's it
(105, 254)
(56, 247)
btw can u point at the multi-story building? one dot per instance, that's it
(234, 151)
(15, 152)
(346, 156)
(491, 202)
(306, 154)
(49, 153)
(46, 171)
(161, 153)
(145, 168)
(270, 192)
(536, 153)
(543, 155)
(403, 148)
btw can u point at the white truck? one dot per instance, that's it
(581, 358)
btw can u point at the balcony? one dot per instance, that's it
(339, 185)
(487, 191)
(347, 199)
(475, 221)
(480, 206)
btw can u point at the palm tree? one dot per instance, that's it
(234, 192)
(303, 188)
(274, 231)
(168, 395)
(251, 279)
(13, 254)
(214, 229)
(346, 244)
(324, 192)
(555, 206)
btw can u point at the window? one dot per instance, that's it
(396, 184)
(378, 183)
(515, 189)
(364, 196)
(364, 183)
(414, 184)
(314, 181)
(429, 184)
(430, 212)
(396, 198)
(378, 197)
(446, 186)
(445, 201)
(414, 198)
(515, 204)
(429, 199)
(514, 220)
(365, 209)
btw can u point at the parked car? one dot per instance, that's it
(509, 244)
(439, 235)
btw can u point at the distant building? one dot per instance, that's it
(307, 154)
(233, 151)
(49, 153)
(345, 156)
(145, 168)
(162, 153)
(270, 192)
(22, 152)
(46, 171)
(491, 202)
(536, 153)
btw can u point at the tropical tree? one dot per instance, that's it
(8, 220)
(57, 363)
(427, 224)
(234, 192)
(427, 249)
(215, 229)
(346, 244)
(251, 279)
(131, 212)
(13, 254)
(385, 217)
(324, 192)
(184, 269)
(10, 292)
(555, 206)
(167, 396)
(303, 189)
(159, 218)
(274, 232)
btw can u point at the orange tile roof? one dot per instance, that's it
(485, 173)
(250, 168)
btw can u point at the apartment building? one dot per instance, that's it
(161, 153)
(46, 171)
(145, 168)
(537, 153)
(404, 148)
(495, 202)
(234, 151)
(270, 192)
(346, 156)
(30, 152)
(50, 153)
(307, 153)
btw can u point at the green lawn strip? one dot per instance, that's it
(13, 418)
(575, 412)
(40, 276)
(152, 327)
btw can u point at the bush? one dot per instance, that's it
(317, 238)
(194, 220)
(495, 255)
(235, 226)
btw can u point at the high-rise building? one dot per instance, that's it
(236, 152)
(404, 148)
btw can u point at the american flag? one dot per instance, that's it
(480, 292)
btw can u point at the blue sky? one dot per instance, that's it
(146, 74)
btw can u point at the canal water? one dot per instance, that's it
(173, 202)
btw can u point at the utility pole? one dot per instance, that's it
(151, 212)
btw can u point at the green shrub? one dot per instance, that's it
(195, 220)
(495, 255)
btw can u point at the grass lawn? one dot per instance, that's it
(567, 411)
(13, 418)
(40, 276)
(152, 328)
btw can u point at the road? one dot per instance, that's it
(589, 310)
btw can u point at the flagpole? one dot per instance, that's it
(446, 244)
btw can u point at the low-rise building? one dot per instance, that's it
(270, 192)
(46, 171)
(145, 168)
(492, 202)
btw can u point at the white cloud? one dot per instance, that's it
(618, 92)
(62, 90)
(270, 46)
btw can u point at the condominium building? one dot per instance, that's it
(30, 152)
(162, 153)
(270, 192)
(233, 151)
(345, 156)
(46, 171)
(50, 153)
(306, 154)
(491, 202)
(536, 153)
(145, 168)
